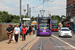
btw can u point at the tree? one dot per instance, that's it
(15, 21)
(62, 16)
(4, 12)
(56, 17)
(32, 18)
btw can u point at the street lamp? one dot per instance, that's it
(24, 16)
(20, 12)
(24, 11)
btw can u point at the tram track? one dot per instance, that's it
(55, 43)
(41, 44)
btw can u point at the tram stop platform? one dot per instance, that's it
(16, 46)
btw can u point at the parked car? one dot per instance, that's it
(65, 32)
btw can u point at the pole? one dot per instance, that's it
(24, 17)
(20, 12)
(27, 9)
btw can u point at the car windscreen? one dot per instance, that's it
(65, 30)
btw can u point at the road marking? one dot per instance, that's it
(40, 44)
(55, 44)
(32, 44)
(64, 41)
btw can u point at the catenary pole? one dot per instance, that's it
(20, 12)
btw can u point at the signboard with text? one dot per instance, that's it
(26, 18)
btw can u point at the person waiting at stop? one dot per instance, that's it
(24, 30)
(33, 30)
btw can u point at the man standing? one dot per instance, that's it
(16, 31)
(9, 31)
(24, 30)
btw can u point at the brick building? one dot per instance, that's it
(70, 10)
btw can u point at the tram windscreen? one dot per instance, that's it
(44, 23)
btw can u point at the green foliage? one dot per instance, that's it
(8, 18)
(32, 19)
(5, 17)
(57, 17)
(15, 21)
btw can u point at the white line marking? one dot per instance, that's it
(64, 42)
(41, 45)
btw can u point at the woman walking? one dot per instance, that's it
(24, 30)
(16, 31)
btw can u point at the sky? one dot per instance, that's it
(57, 7)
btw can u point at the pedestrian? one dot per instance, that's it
(24, 30)
(27, 27)
(27, 30)
(30, 30)
(9, 31)
(33, 30)
(21, 30)
(16, 32)
(12, 32)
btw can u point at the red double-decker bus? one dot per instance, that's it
(54, 25)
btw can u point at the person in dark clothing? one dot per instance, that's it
(9, 31)
(30, 30)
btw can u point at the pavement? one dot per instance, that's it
(16, 46)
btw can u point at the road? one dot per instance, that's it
(52, 43)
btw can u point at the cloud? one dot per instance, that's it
(9, 9)
(58, 7)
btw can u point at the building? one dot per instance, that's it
(70, 10)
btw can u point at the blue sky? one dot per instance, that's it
(57, 7)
